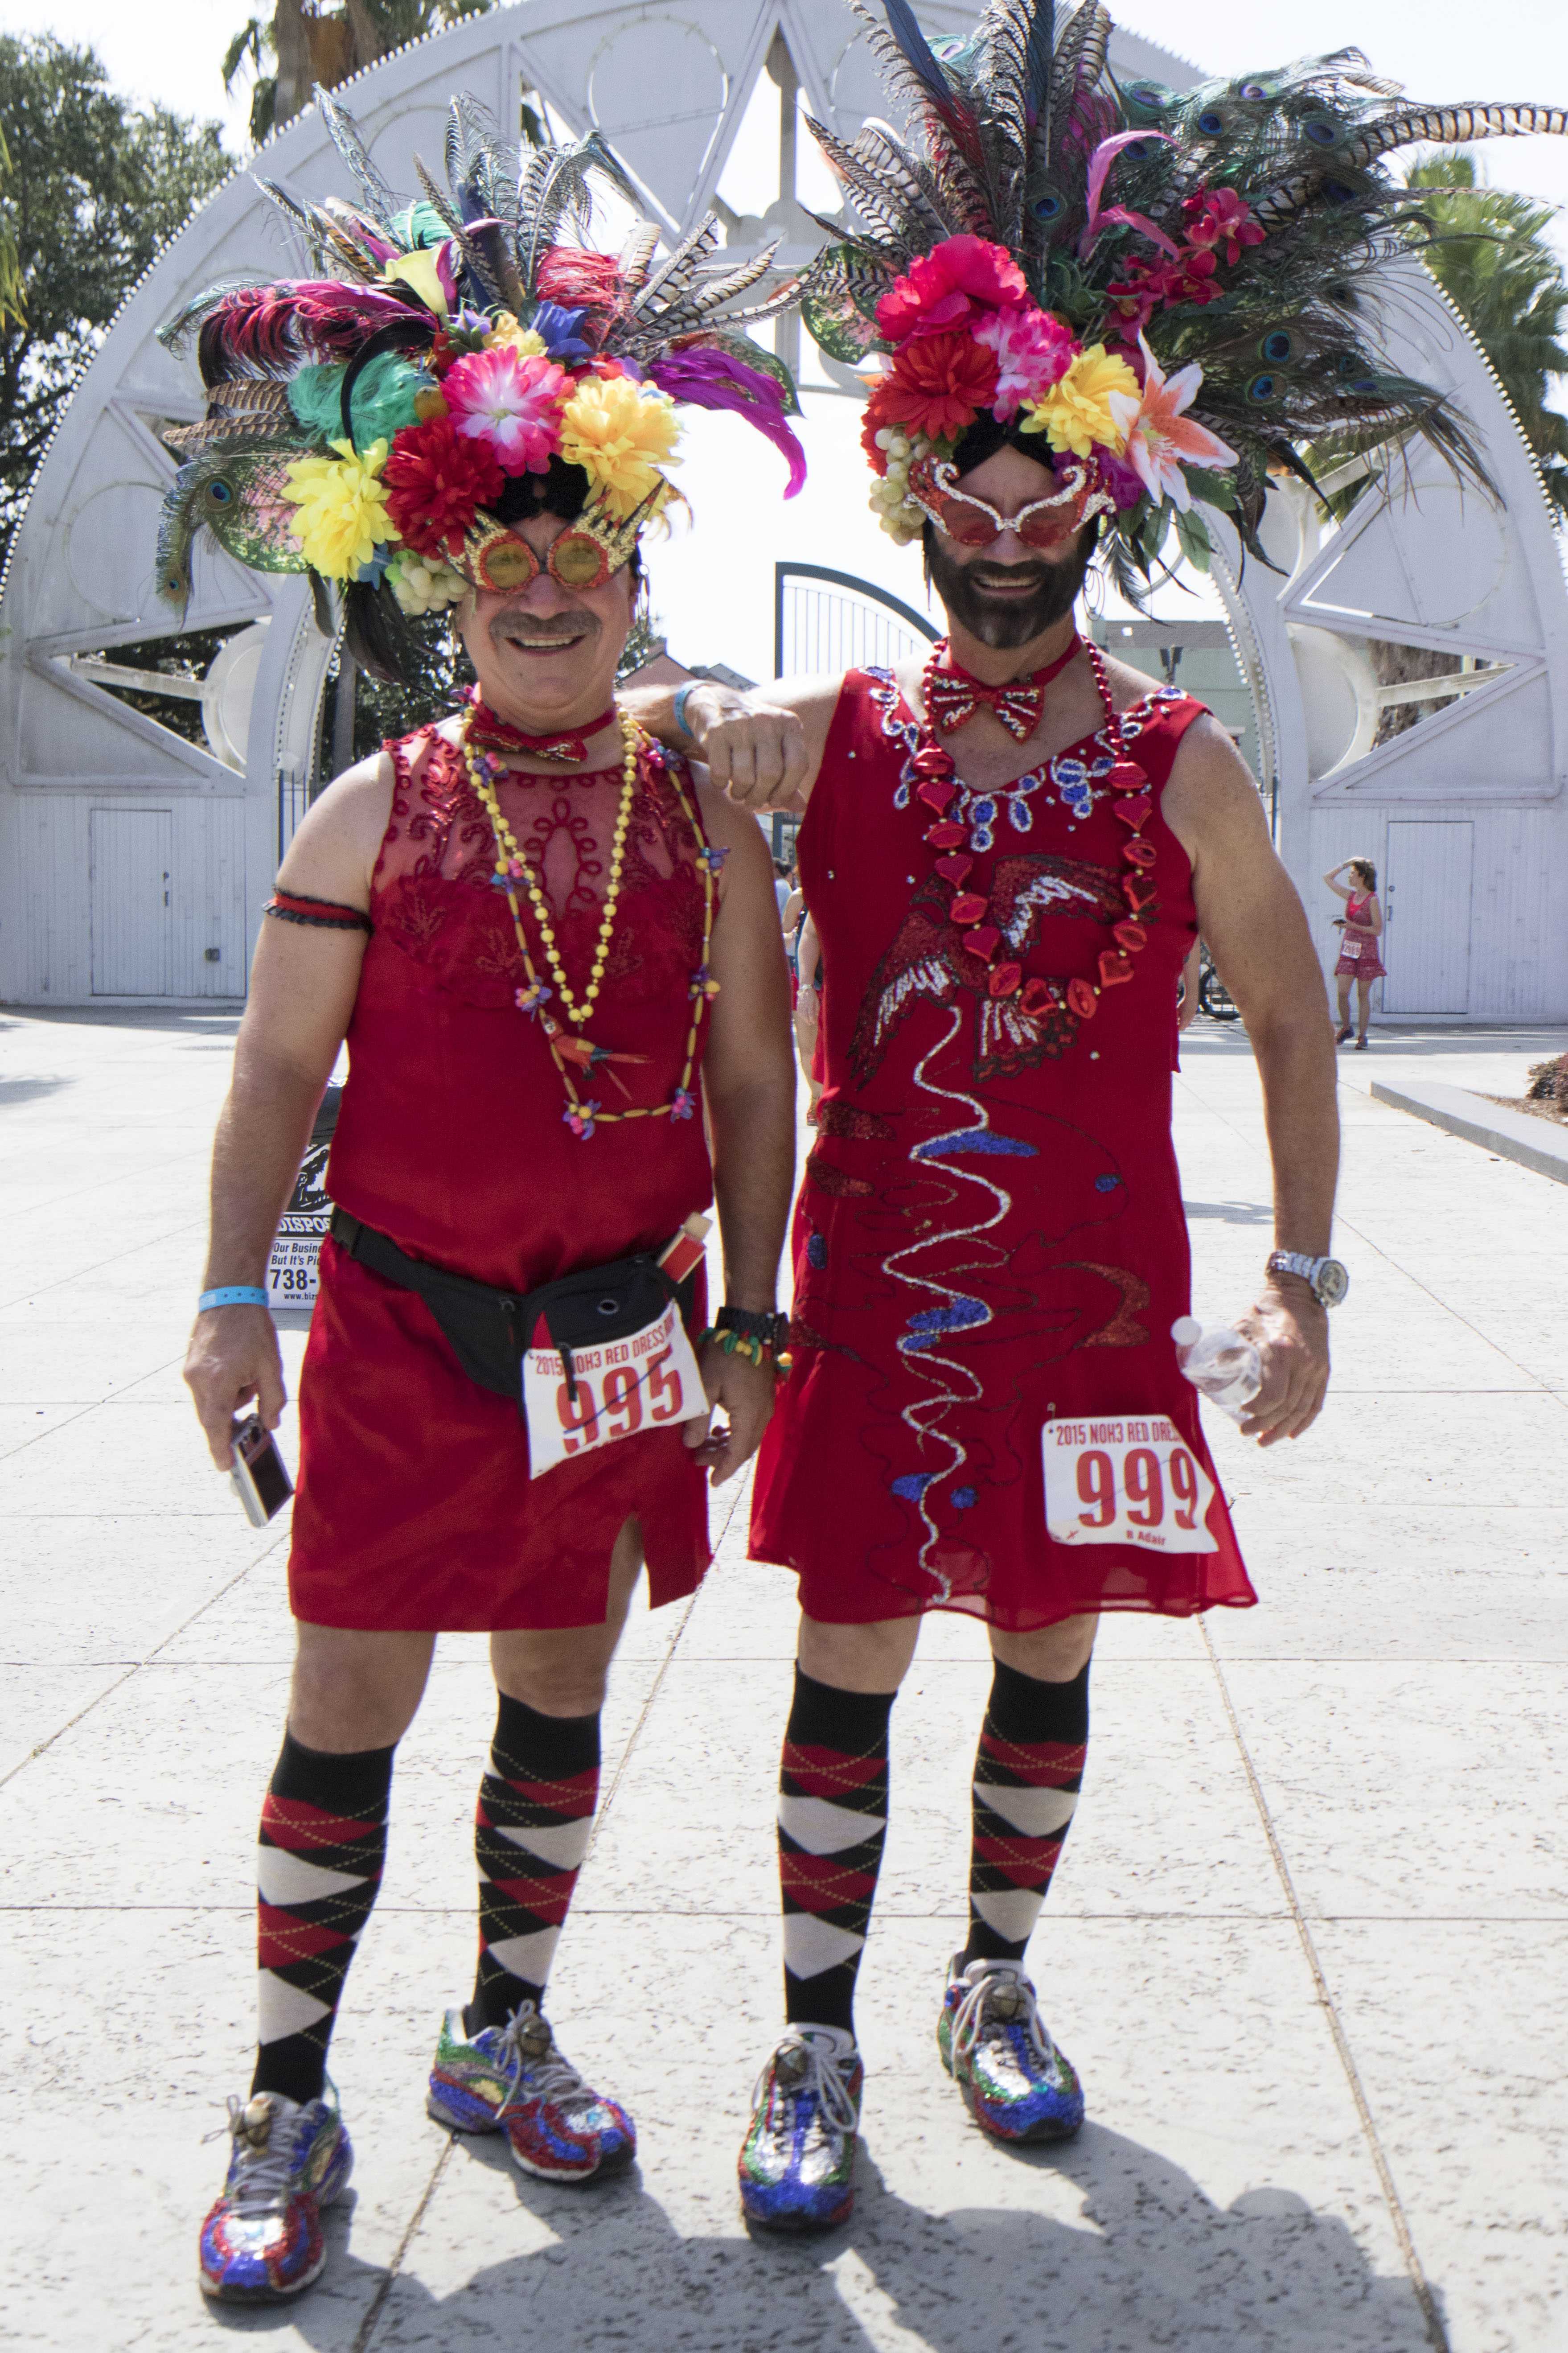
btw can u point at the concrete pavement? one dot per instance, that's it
(1305, 1947)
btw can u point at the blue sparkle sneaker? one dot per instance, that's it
(798, 2162)
(1015, 2084)
(262, 2240)
(514, 2078)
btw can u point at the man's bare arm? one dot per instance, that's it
(763, 749)
(302, 987)
(1256, 927)
(748, 1078)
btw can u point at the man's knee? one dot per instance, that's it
(355, 1687)
(1052, 1654)
(552, 1672)
(873, 1658)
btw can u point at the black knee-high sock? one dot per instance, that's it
(532, 1830)
(318, 1865)
(1027, 1774)
(833, 1819)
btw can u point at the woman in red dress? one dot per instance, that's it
(1359, 959)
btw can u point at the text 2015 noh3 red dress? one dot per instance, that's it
(989, 1234)
(415, 1508)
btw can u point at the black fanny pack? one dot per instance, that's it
(488, 1331)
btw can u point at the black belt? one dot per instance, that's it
(488, 1329)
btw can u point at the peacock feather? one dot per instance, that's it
(1020, 133)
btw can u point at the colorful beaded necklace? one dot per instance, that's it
(582, 1116)
(937, 785)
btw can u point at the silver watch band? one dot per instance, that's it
(1326, 1278)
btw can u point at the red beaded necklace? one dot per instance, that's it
(1077, 999)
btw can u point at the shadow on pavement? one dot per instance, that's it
(26, 1090)
(1151, 2264)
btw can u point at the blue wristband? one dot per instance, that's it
(232, 1294)
(681, 694)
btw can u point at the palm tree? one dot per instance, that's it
(1492, 254)
(300, 44)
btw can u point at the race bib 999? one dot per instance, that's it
(1128, 1480)
(641, 1382)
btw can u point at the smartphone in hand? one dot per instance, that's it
(258, 1476)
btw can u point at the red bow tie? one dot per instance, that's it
(488, 733)
(952, 697)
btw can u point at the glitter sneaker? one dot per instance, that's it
(993, 2040)
(513, 2079)
(798, 2162)
(262, 2240)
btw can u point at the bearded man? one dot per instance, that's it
(1009, 852)
(554, 955)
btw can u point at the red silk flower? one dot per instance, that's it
(437, 478)
(956, 282)
(938, 385)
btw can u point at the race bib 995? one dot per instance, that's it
(643, 1382)
(1131, 1478)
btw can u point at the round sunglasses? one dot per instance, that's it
(974, 523)
(504, 560)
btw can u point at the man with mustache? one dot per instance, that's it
(553, 952)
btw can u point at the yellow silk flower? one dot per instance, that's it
(622, 435)
(341, 516)
(507, 336)
(1077, 412)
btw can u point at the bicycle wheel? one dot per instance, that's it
(1214, 997)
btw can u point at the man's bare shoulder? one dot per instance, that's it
(333, 854)
(1211, 791)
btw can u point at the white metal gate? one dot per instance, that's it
(132, 858)
(1427, 917)
(827, 620)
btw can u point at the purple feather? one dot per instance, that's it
(706, 377)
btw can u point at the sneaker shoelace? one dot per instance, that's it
(978, 2014)
(814, 2074)
(260, 2182)
(551, 2074)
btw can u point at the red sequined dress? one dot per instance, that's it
(414, 1506)
(989, 1234)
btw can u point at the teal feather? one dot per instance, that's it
(383, 399)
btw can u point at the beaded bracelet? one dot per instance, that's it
(751, 1332)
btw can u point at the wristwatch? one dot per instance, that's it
(1328, 1278)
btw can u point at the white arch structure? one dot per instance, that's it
(134, 864)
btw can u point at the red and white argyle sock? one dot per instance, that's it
(532, 1830)
(318, 1867)
(833, 1819)
(1027, 1774)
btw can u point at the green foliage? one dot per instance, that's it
(1493, 257)
(93, 189)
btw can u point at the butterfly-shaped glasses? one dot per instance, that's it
(974, 523)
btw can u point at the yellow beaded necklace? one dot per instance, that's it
(582, 1116)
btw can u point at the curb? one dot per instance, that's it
(1511, 1135)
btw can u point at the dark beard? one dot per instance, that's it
(1005, 622)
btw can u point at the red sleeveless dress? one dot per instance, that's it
(414, 1507)
(989, 1234)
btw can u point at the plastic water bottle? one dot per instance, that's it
(1220, 1364)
